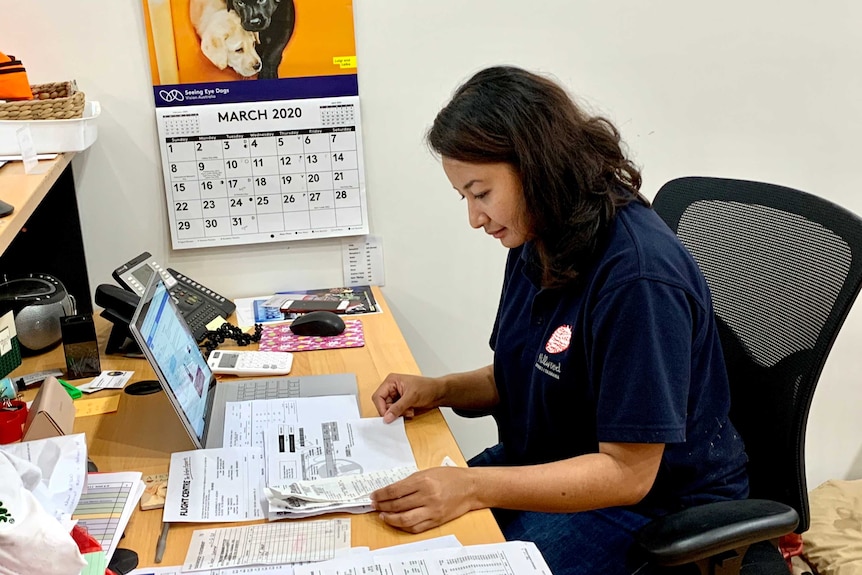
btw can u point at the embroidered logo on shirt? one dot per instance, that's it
(559, 340)
(548, 367)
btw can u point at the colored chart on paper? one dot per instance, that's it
(105, 508)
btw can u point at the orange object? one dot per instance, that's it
(13, 79)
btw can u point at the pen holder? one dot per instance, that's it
(13, 414)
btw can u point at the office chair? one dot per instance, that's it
(784, 268)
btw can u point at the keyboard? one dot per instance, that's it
(198, 319)
(276, 388)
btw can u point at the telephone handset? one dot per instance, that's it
(135, 274)
(198, 304)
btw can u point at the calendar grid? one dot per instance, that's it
(302, 177)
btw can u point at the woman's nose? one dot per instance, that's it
(476, 216)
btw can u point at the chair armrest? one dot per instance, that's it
(705, 530)
(472, 412)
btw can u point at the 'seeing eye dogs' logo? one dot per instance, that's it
(171, 95)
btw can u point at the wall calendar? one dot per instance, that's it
(257, 109)
(270, 171)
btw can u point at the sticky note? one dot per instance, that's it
(344, 61)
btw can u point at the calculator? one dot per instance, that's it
(250, 362)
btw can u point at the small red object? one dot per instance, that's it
(85, 541)
(12, 421)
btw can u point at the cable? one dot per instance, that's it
(214, 338)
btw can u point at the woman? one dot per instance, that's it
(608, 384)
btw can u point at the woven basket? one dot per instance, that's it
(55, 101)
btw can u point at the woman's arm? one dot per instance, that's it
(400, 394)
(620, 474)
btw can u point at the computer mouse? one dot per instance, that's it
(318, 323)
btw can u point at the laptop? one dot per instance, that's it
(167, 342)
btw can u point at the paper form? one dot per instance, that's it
(96, 563)
(521, 557)
(250, 570)
(346, 494)
(438, 558)
(63, 462)
(268, 544)
(362, 261)
(246, 421)
(348, 489)
(215, 485)
(357, 558)
(107, 505)
(354, 553)
(333, 448)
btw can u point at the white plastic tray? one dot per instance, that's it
(53, 136)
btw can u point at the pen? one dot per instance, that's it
(163, 539)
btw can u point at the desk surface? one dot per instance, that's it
(144, 432)
(25, 191)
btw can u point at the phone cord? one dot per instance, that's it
(214, 338)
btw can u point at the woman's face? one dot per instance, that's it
(495, 199)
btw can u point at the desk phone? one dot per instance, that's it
(198, 304)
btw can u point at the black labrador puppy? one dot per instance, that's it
(274, 21)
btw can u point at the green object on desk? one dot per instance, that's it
(73, 391)
(97, 562)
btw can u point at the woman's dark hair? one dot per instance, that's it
(571, 165)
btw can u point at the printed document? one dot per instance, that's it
(349, 493)
(215, 485)
(507, 558)
(356, 557)
(332, 448)
(245, 422)
(332, 465)
(107, 505)
(268, 544)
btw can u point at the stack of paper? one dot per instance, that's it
(332, 465)
(268, 544)
(349, 493)
(507, 558)
(238, 538)
(107, 505)
(289, 458)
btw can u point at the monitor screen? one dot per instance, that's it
(174, 354)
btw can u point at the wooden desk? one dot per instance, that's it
(144, 432)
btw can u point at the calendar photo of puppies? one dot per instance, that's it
(272, 21)
(200, 41)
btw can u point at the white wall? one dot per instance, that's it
(760, 90)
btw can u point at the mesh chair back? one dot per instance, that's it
(784, 268)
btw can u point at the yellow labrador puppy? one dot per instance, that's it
(223, 39)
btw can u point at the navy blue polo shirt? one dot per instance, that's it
(629, 353)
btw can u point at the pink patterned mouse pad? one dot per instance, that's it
(280, 338)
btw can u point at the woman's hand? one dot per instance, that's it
(427, 498)
(401, 394)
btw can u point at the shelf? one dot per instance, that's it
(25, 192)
